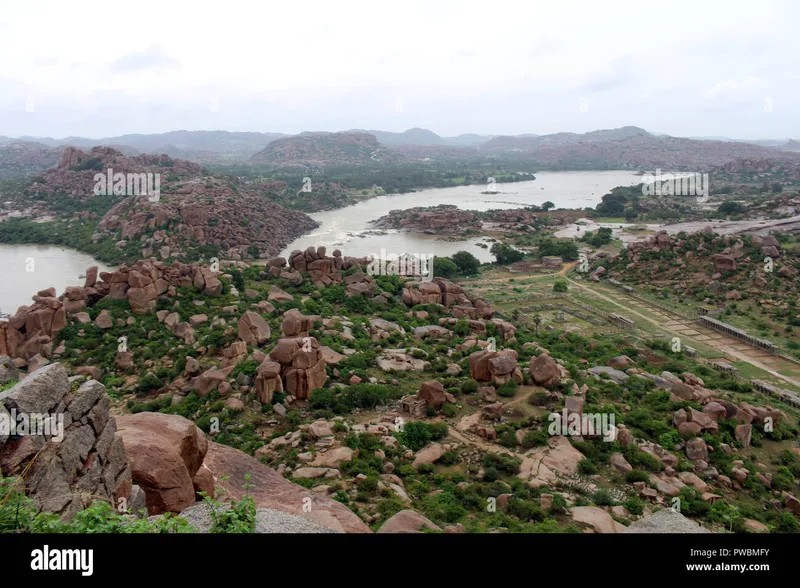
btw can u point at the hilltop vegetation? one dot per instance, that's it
(470, 461)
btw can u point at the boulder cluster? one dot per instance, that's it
(295, 365)
(499, 367)
(324, 270)
(448, 294)
(29, 333)
(158, 462)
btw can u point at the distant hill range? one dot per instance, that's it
(627, 147)
(318, 149)
(424, 138)
(20, 158)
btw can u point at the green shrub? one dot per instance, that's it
(637, 476)
(586, 467)
(470, 387)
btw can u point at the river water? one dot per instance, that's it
(30, 268)
(346, 228)
(349, 228)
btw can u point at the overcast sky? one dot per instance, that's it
(101, 68)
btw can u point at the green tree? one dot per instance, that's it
(505, 253)
(730, 207)
(443, 267)
(467, 263)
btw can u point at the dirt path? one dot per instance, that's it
(677, 326)
(503, 280)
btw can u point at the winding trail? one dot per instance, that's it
(721, 344)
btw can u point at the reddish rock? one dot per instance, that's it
(544, 371)
(165, 452)
(433, 393)
(743, 434)
(271, 490)
(253, 329)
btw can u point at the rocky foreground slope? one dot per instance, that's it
(384, 403)
(146, 461)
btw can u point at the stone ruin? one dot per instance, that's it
(552, 261)
(413, 406)
(430, 394)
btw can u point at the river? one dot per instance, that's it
(346, 228)
(349, 228)
(30, 268)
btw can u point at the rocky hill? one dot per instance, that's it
(445, 219)
(21, 158)
(713, 268)
(747, 280)
(742, 174)
(193, 213)
(316, 149)
(415, 136)
(440, 154)
(74, 175)
(239, 223)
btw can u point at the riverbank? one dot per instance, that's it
(38, 267)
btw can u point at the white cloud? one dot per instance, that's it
(500, 67)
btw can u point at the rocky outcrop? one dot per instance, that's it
(598, 519)
(302, 367)
(408, 521)
(445, 219)
(544, 371)
(271, 490)
(30, 332)
(499, 367)
(543, 465)
(165, 453)
(77, 455)
(319, 149)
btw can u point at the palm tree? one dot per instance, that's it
(537, 320)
